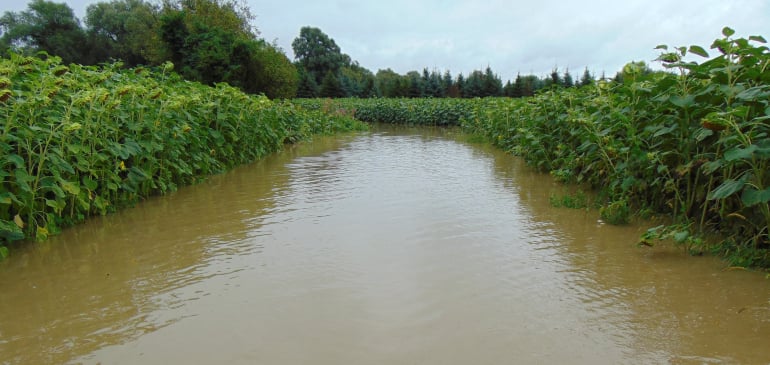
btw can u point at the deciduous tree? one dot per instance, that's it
(45, 26)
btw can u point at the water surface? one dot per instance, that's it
(391, 247)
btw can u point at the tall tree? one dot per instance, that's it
(555, 79)
(307, 87)
(492, 84)
(460, 86)
(126, 30)
(416, 85)
(391, 84)
(568, 82)
(317, 53)
(331, 87)
(232, 16)
(587, 78)
(209, 42)
(45, 26)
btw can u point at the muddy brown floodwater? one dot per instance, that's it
(398, 246)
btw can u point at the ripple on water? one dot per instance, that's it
(390, 247)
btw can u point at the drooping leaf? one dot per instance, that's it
(19, 222)
(89, 183)
(757, 38)
(711, 166)
(698, 50)
(703, 133)
(752, 196)
(739, 153)
(16, 160)
(681, 236)
(10, 231)
(728, 187)
(683, 101)
(70, 187)
(42, 233)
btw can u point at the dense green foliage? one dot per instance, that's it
(693, 144)
(45, 26)
(327, 72)
(434, 112)
(209, 41)
(78, 141)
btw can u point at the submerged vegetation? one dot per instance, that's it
(693, 144)
(79, 141)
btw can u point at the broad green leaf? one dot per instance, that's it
(662, 46)
(698, 50)
(70, 187)
(681, 236)
(754, 93)
(8, 227)
(757, 38)
(683, 101)
(763, 149)
(739, 153)
(728, 187)
(711, 166)
(703, 133)
(16, 160)
(52, 203)
(6, 198)
(727, 31)
(752, 196)
(89, 183)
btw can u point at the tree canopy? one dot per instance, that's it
(209, 41)
(44, 26)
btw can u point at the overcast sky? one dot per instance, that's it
(509, 36)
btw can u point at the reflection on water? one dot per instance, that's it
(397, 246)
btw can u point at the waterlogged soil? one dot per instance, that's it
(390, 247)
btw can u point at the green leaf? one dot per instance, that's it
(10, 231)
(711, 166)
(89, 183)
(683, 101)
(662, 46)
(763, 149)
(23, 179)
(4, 252)
(703, 133)
(70, 187)
(681, 236)
(752, 196)
(728, 187)
(739, 153)
(757, 38)
(41, 234)
(727, 31)
(52, 203)
(16, 160)
(698, 50)
(754, 93)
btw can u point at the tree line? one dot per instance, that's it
(207, 40)
(213, 41)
